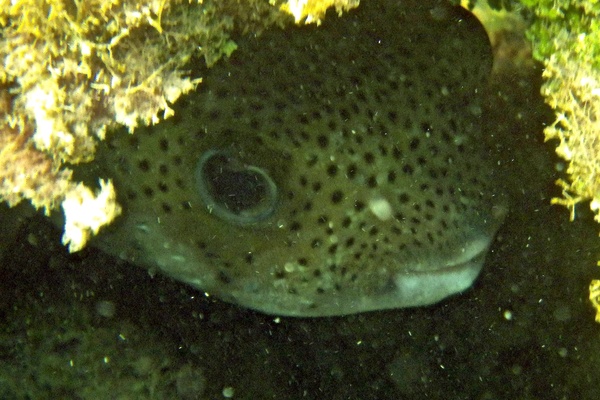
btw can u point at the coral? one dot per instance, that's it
(85, 213)
(73, 70)
(313, 11)
(566, 37)
(28, 172)
(595, 296)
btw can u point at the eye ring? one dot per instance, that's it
(234, 191)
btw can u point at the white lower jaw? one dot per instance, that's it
(423, 286)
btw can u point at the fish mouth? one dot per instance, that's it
(428, 283)
(472, 253)
(476, 242)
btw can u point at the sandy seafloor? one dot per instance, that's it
(88, 326)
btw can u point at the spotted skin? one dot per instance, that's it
(368, 127)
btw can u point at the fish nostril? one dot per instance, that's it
(234, 191)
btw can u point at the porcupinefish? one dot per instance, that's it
(321, 170)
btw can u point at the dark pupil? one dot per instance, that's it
(233, 187)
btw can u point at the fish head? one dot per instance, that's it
(321, 171)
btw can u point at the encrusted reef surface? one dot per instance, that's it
(566, 38)
(73, 69)
(89, 326)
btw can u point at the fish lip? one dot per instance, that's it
(472, 249)
(478, 244)
(424, 285)
(471, 252)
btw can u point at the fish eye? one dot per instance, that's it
(234, 191)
